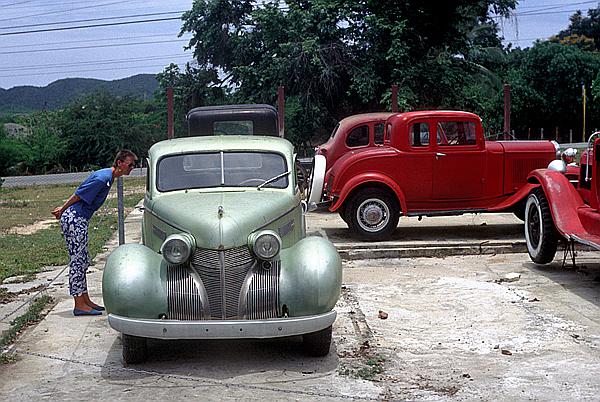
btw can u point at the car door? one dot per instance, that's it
(414, 167)
(458, 168)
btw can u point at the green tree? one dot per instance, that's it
(12, 152)
(546, 84)
(338, 58)
(96, 127)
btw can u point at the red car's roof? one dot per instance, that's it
(434, 113)
(364, 117)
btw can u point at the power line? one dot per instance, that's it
(88, 71)
(558, 5)
(92, 20)
(18, 3)
(89, 26)
(171, 34)
(92, 63)
(67, 10)
(94, 46)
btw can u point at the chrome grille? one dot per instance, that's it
(262, 300)
(183, 297)
(236, 287)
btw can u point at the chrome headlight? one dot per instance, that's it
(265, 244)
(177, 248)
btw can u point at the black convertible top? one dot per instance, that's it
(251, 119)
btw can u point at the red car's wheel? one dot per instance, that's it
(374, 214)
(540, 234)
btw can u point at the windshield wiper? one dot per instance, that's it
(272, 179)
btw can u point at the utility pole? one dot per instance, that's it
(506, 111)
(583, 95)
(170, 130)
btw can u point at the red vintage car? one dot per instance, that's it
(353, 133)
(430, 163)
(560, 209)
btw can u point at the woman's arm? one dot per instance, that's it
(57, 212)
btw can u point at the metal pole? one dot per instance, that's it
(506, 111)
(281, 109)
(570, 136)
(394, 98)
(583, 95)
(170, 129)
(120, 210)
(542, 133)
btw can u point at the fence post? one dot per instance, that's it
(170, 129)
(542, 133)
(120, 210)
(506, 111)
(394, 98)
(570, 136)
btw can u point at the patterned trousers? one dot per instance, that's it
(75, 230)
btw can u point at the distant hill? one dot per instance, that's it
(59, 93)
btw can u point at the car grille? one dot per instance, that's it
(232, 284)
(183, 296)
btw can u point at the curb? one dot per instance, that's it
(349, 252)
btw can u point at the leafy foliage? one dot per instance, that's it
(338, 58)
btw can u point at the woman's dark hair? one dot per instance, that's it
(122, 155)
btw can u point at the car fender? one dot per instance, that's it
(311, 277)
(563, 198)
(365, 178)
(133, 282)
(517, 197)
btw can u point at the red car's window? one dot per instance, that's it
(419, 135)
(359, 137)
(456, 133)
(378, 136)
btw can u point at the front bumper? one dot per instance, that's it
(221, 329)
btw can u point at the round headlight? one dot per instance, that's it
(266, 245)
(177, 248)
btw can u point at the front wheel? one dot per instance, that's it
(374, 214)
(540, 234)
(134, 349)
(317, 343)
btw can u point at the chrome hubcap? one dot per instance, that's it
(373, 215)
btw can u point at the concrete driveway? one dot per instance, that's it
(455, 327)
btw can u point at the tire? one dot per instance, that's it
(317, 343)
(343, 212)
(134, 349)
(373, 214)
(540, 234)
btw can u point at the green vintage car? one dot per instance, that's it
(224, 250)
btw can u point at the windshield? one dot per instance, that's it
(221, 169)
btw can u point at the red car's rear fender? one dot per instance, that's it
(363, 180)
(563, 198)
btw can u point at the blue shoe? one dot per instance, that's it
(77, 312)
(97, 307)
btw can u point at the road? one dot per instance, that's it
(456, 329)
(60, 178)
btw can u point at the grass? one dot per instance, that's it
(28, 254)
(33, 315)
(21, 206)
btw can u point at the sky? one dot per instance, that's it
(119, 51)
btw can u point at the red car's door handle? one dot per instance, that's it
(438, 154)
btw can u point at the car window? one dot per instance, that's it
(218, 169)
(359, 137)
(456, 133)
(237, 127)
(387, 135)
(419, 135)
(378, 136)
(335, 130)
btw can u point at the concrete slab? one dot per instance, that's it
(455, 330)
(429, 237)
